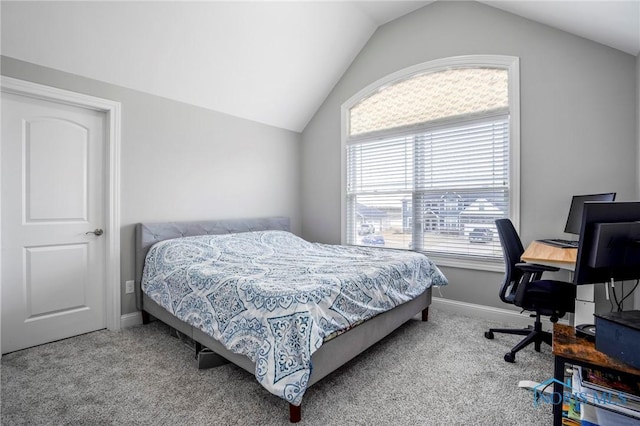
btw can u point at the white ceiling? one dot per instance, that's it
(271, 62)
(614, 23)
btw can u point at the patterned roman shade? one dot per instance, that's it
(432, 97)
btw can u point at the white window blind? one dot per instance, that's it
(434, 190)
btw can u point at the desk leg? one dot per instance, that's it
(558, 389)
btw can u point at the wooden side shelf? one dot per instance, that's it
(569, 349)
(567, 345)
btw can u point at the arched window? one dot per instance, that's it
(431, 159)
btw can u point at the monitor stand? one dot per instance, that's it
(585, 304)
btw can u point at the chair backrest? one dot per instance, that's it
(558, 297)
(512, 250)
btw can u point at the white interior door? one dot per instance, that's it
(53, 198)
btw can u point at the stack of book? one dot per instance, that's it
(606, 398)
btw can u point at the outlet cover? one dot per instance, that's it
(128, 286)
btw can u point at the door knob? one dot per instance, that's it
(97, 232)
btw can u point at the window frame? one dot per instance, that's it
(509, 63)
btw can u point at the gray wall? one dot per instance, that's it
(181, 162)
(578, 109)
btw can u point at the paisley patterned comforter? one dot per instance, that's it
(274, 297)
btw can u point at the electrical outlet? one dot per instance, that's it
(128, 286)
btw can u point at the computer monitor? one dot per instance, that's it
(609, 243)
(574, 220)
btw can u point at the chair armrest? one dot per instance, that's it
(533, 271)
(534, 267)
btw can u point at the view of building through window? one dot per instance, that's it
(428, 164)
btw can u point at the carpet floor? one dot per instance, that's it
(440, 372)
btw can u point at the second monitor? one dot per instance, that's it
(574, 220)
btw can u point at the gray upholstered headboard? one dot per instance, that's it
(147, 234)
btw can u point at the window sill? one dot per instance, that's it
(456, 262)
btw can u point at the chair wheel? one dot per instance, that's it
(510, 357)
(488, 334)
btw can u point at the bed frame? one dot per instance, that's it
(331, 355)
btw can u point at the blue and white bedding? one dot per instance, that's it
(275, 297)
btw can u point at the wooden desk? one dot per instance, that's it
(569, 349)
(545, 254)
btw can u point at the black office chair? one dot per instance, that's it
(523, 287)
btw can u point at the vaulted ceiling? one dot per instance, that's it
(271, 62)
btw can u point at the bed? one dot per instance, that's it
(242, 289)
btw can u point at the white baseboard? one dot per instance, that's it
(507, 316)
(129, 320)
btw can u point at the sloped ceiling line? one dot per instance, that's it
(270, 62)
